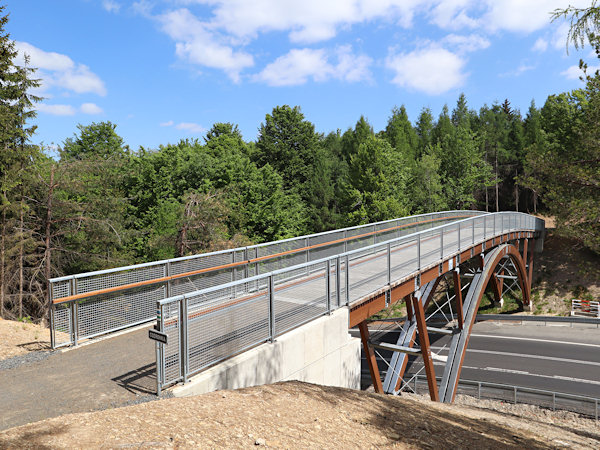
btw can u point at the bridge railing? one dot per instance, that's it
(208, 326)
(90, 304)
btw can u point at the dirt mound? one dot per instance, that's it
(564, 271)
(18, 338)
(299, 415)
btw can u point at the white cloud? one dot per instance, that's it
(57, 70)
(574, 72)
(465, 44)
(433, 70)
(518, 71)
(523, 16)
(196, 43)
(299, 65)
(56, 110)
(91, 108)
(541, 45)
(219, 38)
(190, 127)
(453, 14)
(81, 80)
(308, 21)
(111, 6)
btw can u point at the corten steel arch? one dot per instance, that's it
(491, 267)
(471, 305)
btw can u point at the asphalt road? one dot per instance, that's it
(554, 358)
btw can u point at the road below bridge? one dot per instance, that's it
(554, 358)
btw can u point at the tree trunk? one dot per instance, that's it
(487, 199)
(496, 164)
(21, 255)
(47, 236)
(2, 265)
(516, 194)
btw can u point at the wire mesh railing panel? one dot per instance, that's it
(450, 240)
(368, 272)
(298, 302)
(326, 251)
(61, 322)
(115, 279)
(323, 238)
(180, 266)
(171, 352)
(60, 289)
(219, 330)
(359, 243)
(201, 281)
(280, 262)
(404, 258)
(113, 311)
(274, 248)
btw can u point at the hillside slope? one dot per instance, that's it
(299, 415)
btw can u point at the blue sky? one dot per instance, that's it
(164, 70)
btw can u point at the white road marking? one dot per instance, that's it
(523, 355)
(521, 372)
(534, 340)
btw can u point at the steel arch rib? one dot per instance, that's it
(470, 306)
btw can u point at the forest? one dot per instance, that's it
(99, 203)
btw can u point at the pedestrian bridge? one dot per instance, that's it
(266, 312)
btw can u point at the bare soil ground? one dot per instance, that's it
(300, 415)
(18, 338)
(564, 271)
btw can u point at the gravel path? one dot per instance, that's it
(114, 372)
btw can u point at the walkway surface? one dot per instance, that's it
(105, 374)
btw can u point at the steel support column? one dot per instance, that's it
(458, 295)
(370, 356)
(425, 348)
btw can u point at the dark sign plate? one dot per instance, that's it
(157, 336)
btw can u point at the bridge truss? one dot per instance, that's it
(446, 305)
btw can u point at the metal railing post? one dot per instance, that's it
(515, 397)
(484, 228)
(389, 264)
(328, 286)
(442, 243)
(479, 390)
(419, 252)
(158, 349)
(338, 280)
(183, 337)
(347, 280)
(74, 314)
(271, 309)
(167, 273)
(554, 401)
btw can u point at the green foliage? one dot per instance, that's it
(97, 140)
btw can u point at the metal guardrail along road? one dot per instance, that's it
(580, 404)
